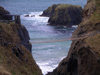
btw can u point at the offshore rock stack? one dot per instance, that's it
(64, 14)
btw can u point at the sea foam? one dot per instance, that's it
(35, 16)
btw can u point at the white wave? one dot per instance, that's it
(47, 66)
(75, 26)
(35, 16)
(62, 58)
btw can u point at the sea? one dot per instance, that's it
(47, 50)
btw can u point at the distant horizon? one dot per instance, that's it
(26, 6)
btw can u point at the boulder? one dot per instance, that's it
(26, 16)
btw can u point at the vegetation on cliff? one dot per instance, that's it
(84, 55)
(64, 14)
(15, 50)
(50, 10)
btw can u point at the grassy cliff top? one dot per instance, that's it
(95, 18)
(63, 6)
(9, 32)
(91, 18)
(93, 8)
(91, 24)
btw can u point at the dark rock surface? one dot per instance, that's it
(15, 50)
(3, 11)
(84, 55)
(19, 29)
(4, 14)
(64, 14)
(24, 37)
(49, 11)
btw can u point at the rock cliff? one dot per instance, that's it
(64, 14)
(49, 11)
(3, 14)
(15, 50)
(84, 55)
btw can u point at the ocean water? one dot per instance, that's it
(26, 6)
(46, 54)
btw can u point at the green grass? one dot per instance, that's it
(95, 18)
(13, 73)
(64, 6)
(94, 43)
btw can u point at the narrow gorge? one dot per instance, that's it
(24, 46)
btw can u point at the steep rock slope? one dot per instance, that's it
(84, 55)
(15, 51)
(64, 14)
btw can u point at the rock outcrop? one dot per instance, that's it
(15, 50)
(64, 14)
(49, 11)
(3, 11)
(84, 55)
(4, 14)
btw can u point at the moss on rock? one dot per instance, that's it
(64, 14)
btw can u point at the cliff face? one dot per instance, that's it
(64, 14)
(84, 55)
(49, 11)
(15, 51)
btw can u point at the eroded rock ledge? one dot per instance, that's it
(84, 55)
